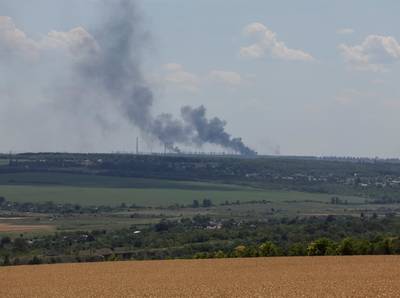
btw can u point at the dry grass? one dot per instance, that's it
(24, 228)
(375, 276)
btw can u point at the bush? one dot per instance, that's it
(268, 249)
(219, 254)
(240, 251)
(35, 261)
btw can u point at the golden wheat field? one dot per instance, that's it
(374, 276)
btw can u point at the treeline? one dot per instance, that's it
(207, 237)
(320, 247)
(307, 174)
(54, 208)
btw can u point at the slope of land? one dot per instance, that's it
(372, 276)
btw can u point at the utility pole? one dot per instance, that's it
(137, 145)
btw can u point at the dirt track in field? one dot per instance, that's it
(374, 276)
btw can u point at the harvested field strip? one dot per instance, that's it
(24, 228)
(371, 276)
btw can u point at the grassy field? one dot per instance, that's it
(102, 190)
(62, 179)
(148, 196)
(369, 276)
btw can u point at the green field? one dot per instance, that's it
(103, 190)
(62, 179)
(146, 197)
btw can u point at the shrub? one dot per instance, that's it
(268, 249)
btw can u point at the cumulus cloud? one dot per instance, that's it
(374, 53)
(177, 75)
(225, 77)
(267, 43)
(14, 41)
(345, 31)
(78, 41)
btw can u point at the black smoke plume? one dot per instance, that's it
(116, 69)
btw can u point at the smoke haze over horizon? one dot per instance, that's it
(103, 72)
(290, 78)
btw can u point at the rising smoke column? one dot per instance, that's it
(211, 130)
(116, 69)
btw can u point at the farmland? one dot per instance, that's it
(102, 190)
(23, 228)
(63, 208)
(372, 276)
(147, 196)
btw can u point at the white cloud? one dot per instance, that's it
(177, 75)
(267, 43)
(14, 41)
(225, 77)
(345, 31)
(374, 53)
(78, 41)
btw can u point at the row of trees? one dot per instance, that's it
(319, 247)
(206, 237)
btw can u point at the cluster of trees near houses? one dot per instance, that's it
(207, 237)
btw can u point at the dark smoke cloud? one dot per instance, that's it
(211, 131)
(116, 69)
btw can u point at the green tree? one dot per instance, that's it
(6, 261)
(207, 203)
(268, 249)
(321, 247)
(20, 245)
(35, 261)
(297, 249)
(347, 247)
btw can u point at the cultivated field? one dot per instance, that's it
(100, 190)
(24, 228)
(372, 276)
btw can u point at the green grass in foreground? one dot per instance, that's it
(147, 196)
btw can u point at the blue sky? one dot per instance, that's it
(323, 81)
